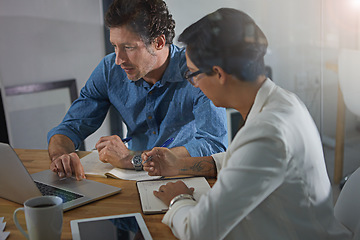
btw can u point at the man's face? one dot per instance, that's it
(132, 54)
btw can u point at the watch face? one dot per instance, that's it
(137, 159)
(137, 162)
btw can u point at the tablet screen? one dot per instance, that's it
(112, 228)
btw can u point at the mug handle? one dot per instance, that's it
(17, 223)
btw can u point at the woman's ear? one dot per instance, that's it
(220, 73)
(160, 42)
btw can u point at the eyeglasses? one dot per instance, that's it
(190, 76)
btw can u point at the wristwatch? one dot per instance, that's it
(137, 162)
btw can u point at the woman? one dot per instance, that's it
(272, 181)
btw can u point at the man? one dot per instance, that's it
(143, 80)
(272, 181)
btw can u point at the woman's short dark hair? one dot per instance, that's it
(148, 18)
(227, 38)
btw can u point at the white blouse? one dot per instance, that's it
(272, 181)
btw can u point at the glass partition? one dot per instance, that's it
(305, 40)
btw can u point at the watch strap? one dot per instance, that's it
(137, 162)
(181, 197)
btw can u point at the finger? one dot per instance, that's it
(66, 162)
(102, 142)
(147, 169)
(146, 159)
(151, 163)
(180, 184)
(111, 140)
(77, 167)
(152, 152)
(104, 160)
(162, 188)
(152, 171)
(100, 146)
(146, 155)
(156, 193)
(59, 167)
(79, 173)
(104, 138)
(53, 167)
(99, 141)
(103, 155)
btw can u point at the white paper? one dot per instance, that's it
(93, 166)
(2, 224)
(128, 174)
(3, 235)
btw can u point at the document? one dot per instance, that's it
(94, 167)
(3, 235)
(152, 205)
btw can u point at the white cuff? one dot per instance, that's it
(168, 217)
(219, 159)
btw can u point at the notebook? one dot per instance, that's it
(18, 185)
(153, 205)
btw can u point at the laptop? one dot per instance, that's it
(18, 185)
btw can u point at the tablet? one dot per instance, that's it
(125, 226)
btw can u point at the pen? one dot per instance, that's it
(165, 144)
(125, 140)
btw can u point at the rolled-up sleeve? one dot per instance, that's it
(88, 112)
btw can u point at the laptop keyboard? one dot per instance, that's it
(66, 196)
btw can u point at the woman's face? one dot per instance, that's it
(209, 85)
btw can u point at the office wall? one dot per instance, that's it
(341, 31)
(305, 37)
(42, 41)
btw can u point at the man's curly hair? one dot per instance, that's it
(148, 18)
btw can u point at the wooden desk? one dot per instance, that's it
(127, 201)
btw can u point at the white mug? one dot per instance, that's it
(44, 217)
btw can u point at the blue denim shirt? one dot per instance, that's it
(170, 108)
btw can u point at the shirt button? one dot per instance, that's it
(150, 117)
(151, 92)
(154, 132)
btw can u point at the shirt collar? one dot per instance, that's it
(174, 71)
(261, 97)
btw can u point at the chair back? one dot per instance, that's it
(349, 78)
(347, 207)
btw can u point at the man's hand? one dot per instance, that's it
(171, 190)
(67, 164)
(64, 160)
(163, 162)
(112, 150)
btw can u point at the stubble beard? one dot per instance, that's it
(149, 66)
(142, 73)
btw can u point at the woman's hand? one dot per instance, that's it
(161, 162)
(171, 190)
